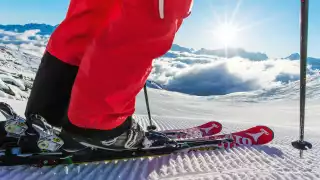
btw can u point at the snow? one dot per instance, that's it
(264, 92)
(3, 85)
(17, 71)
(276, 160)
(2, 94)
(12, 80)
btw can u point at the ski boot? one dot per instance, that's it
(128, 136)
(24, 133)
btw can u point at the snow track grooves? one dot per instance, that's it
(277, 160)
(239, 163)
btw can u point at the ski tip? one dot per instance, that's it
(264, 128)
(215, 124)
(269, 130)
(260, 134)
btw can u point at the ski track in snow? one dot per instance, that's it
(277, 160)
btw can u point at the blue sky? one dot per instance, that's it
(270, 26)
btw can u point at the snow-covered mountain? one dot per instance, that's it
(294, 56)
(238, 92)
(176, 47)
(234, 52)
(314, 62)
(154, 85)
(17, 71)
(202, 72)
(45, 29)
(187, 73)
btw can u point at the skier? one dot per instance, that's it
(96, 62)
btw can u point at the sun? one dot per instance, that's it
(227, 33)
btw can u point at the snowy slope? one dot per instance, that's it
(277, 160)
(17, 71)
(237, 92)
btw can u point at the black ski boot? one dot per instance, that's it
(70, 138)
(129, 135)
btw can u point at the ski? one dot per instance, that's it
(15, 155)
(206, 129)
(24, 149)
(257, 135)
(26, 154)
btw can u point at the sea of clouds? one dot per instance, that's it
(29, 41)
(192, 73)
(210, 75)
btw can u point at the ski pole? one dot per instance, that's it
(301, 144)
(151, 126)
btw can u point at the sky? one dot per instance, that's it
(269, 26)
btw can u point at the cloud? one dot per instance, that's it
(187, 72)
(25, 36)
(29, 41)
(208, 80)
(7, 33)
(205, 75)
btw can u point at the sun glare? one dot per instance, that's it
(226, 33)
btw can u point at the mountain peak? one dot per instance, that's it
(176, 47)
(294, 56)
(233, 52)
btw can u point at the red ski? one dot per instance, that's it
(207, 129)
(257, 135)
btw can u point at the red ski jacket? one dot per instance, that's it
(113, 42)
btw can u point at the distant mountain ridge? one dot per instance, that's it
(314, 62)
(45, 29)
(233, 52)
(176, 47)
